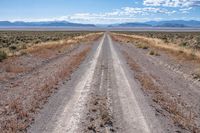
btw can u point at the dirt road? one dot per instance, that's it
(106, 95)
(102, 96)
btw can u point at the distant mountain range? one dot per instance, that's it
(131, 25)
(171, 23)
(43, 24)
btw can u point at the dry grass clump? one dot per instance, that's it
(99, 117)
(196, 75)
(152, 52)
(142, 46)
(3, 55)
(14, 123)
(182, 115)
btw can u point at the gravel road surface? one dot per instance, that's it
(101, 96)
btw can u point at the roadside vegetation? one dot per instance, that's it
(152, 52)
(186, 44)
(21, 39)
(183, 39)
(3, 55)
(183, 46)
(15, 42)
(142, 46)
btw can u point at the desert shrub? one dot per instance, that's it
(4, 41)
(145, 47)
(3, 55)
(152, 52)
(192, 55)
(142, 46)
(196, 74)
(37, 41)
(183, 44)
(23, 53)
(12, 47)
(23, 46)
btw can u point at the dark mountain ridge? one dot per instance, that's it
(45, 23)
(170, 23)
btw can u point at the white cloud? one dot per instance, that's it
(172, 3)
(185, 10)
(125, 11)
(125, 14)
(146, 10)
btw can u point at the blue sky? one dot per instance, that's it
(99, 11)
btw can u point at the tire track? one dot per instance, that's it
(70, 117)
(134, 117)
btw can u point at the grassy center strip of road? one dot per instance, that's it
(98, 112)
(70, 117)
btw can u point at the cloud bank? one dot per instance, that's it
(125, 14)
(172, 3)
(148, 8)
